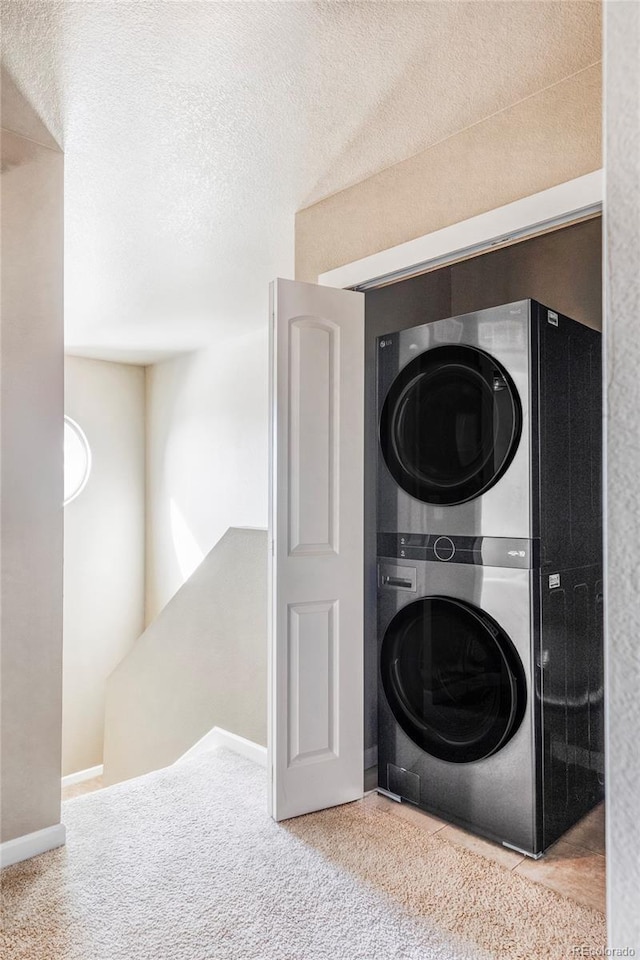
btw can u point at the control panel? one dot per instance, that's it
(483, 551)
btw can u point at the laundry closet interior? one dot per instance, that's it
(483, 589)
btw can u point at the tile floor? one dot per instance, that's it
(574, 866)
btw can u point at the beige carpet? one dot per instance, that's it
(185, 864)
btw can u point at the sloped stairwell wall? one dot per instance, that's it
(201, 663)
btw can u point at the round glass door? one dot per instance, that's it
(453, 679)
(450, 424)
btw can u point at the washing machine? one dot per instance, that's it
(490, 707)
(474, 416)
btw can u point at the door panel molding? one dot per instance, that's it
(312, 681)
(314, 436)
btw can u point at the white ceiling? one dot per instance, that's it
(193, 131)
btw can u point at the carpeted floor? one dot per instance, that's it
(185, 864)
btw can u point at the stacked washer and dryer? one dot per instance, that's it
(489, 543)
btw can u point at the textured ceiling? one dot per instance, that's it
(193, 131)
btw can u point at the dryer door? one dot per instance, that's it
(450, 424)
(452, 678)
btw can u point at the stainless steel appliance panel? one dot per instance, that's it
(495, 796)
(504, 510)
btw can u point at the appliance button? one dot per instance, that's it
(444, 549)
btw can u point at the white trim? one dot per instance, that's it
(217, 737)
(537, 213)
(81, 775)
(32, 844)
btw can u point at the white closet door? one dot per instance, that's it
(316, 538)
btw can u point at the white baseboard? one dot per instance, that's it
(370, 757)
(23, 848)
(81, 775)
(217, 737)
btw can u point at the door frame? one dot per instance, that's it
(542, 212)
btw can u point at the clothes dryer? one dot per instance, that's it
(487, 427)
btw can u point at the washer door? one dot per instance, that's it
(450, 424)
(453, 679)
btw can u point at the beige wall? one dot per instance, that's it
(546, 139)
(103, 549)
(202, 663)
(562, 270)
(207, 453)
(622, 226)
(32, 482)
